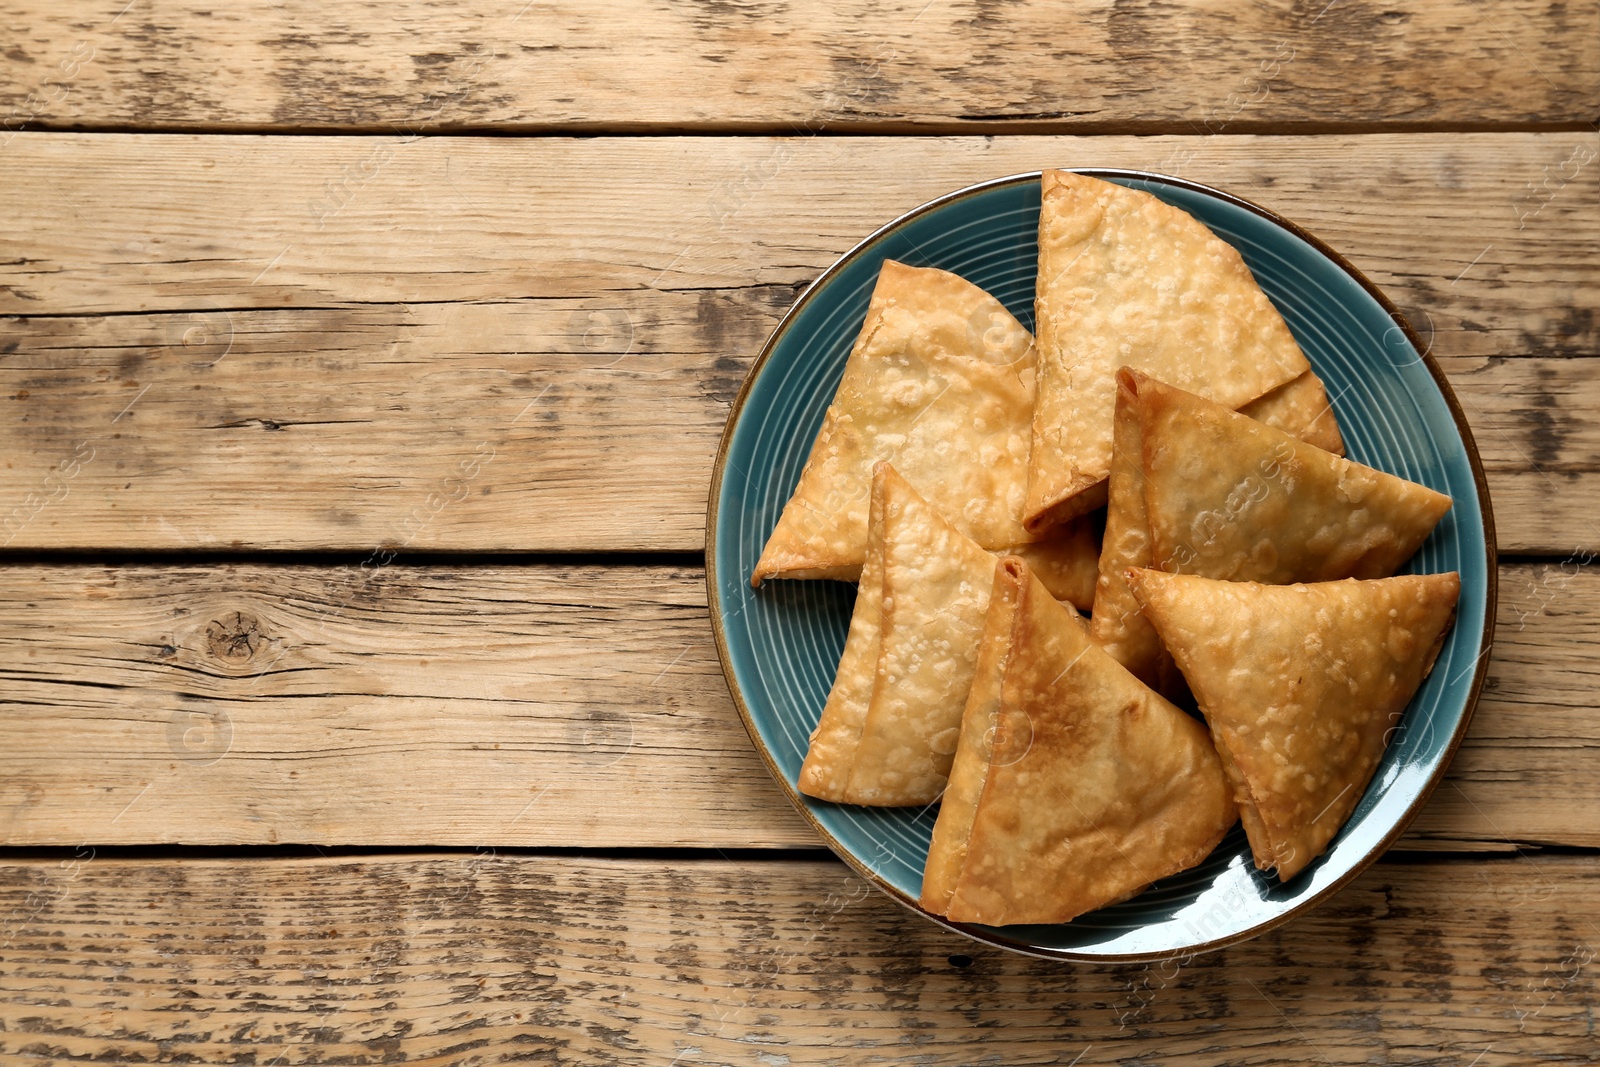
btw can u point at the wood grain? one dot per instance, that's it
(296, 342)
(1486, 234)
(373, 704)
(543, 705)
(374, 344)
(486, 958)
(418, 429)
(910, 66)
(1530, 419)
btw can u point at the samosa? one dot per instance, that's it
(1117, 623)
(1229, 497)
(1074, 785)
(1301, 686)
(1127, 280)
(940, 382)
(888, 731)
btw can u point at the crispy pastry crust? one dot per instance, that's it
(1127, 280)
(888, 732)
(1092, 786)
(941, 383)
(1229, 497)
(1301, 686)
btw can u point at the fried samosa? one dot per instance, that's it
(1301, 685)
(1117, 623)
(1088, 786)
(1229, 497)
(888, 731)
(1127, 280)
(940, 382)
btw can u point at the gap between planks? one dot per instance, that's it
(996, 126)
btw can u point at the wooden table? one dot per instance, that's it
(361, 375)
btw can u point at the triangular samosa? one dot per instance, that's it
(1093, 787)
(1127, 280)
(1229, 497)
(1301, 685)
(1117, 623)
(940, 383)
(825, 773)
(888, 732)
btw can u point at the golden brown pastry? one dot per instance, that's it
(940, 382)
(1089, 786)
(888, 732)
(1118, 624)
(983, 732)
(1067, 561)
(1229, 497)
(825, 773)
(1301, 685)
(1301, 409)
(1126, 280)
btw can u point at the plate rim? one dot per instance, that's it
(985, 935)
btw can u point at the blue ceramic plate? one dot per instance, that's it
(781, 645)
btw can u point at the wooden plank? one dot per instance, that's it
(1540, 447)
(542, 705)
(1484, 234)
(181, 64)
(487, 959)
(420, 429)
(351, 347)
(1529, 715)
(376, 704)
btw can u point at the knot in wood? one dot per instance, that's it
(236, 636)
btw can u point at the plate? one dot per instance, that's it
(780, 645)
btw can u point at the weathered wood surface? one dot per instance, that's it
(1491, 236)
(470, 344)
(916, 65)
(543, 705)
(485, 959)
(375, 705)
(409, 429)
(307, 342)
